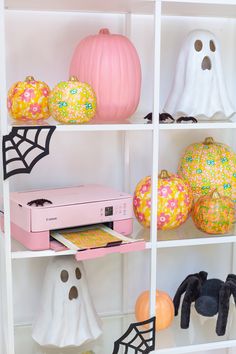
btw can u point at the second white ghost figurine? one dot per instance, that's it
(66, 314)
(199, 87)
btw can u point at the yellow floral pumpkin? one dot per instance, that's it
(214, 213)
(72, 102)
(28, 100)
(174, 201)
(207, 166)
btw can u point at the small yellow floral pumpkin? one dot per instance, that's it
(28, 100)
(72, 102)
(174, 201)
(214, 213)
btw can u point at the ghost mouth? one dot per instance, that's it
(206, 63)
(73, 294)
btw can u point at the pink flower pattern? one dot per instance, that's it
(163, 219)
(136, 202)
(144, 188)
(180, 216)
(35, 108)
(9, 103)
(187, 200)
(141, 217)
(173, 204)
(27, 95)
(45, 92)
(180, 187)
(164, 191)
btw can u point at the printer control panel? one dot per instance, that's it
(117, 210)
(109, 211)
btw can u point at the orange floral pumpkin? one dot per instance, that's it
(164, 309)
(174, 201)
(214, 214)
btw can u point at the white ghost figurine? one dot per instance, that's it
(66, 315)
(199, 88)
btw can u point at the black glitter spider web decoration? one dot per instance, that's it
(137, 338)
(23, 147)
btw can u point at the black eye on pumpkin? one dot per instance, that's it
(78, 273)
(64, 276)
(212, 46)
(198, 45)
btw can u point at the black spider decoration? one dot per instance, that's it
(137, 338)
(23, 147)
(186, 119)
(167, 118)
(148, 117)
(163, 118)
(39, 202)
(211, 296)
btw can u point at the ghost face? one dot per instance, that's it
(66, 315)
(199, 88)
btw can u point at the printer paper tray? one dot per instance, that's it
(102, 251)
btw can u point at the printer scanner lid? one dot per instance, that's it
(89, 193)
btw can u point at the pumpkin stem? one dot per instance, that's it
(104, 31)
(215, 194)
(164, 174)
(29, 78)
(208, 141)
(73, 78)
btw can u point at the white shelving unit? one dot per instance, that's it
(38, 37)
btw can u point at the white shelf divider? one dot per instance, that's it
(199, 125)
(143, 7)
(198, 347)
(200, 8)
(6, 262)
(155, 156)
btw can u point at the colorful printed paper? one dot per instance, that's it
(89, 237)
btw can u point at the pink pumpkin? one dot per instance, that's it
(110, 64)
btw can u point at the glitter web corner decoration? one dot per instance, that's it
(138, 338)
(23, 147)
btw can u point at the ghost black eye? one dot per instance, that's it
(78, 273)
(198, 45)
(212, 46)
(64, 276)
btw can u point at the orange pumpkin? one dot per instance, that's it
(214, 214)
(164, 309)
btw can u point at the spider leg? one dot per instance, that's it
(231, 279)
(202, 276)
(224, 296)
(191, 294)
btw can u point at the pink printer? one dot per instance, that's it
(35, 213)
